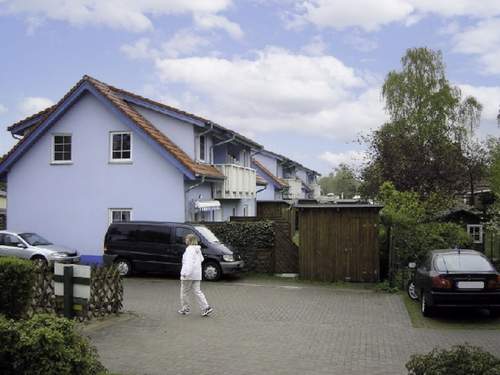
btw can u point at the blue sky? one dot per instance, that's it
(301, 77)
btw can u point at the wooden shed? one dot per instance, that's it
(339, 242)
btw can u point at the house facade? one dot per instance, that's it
(286, 179)
(102, 154)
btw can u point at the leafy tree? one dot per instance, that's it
(422, 147)
(341, 182)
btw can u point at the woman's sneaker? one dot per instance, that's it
(184, 311)
(207, 311)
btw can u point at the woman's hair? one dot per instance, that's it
(191, 239)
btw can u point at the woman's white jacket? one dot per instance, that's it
(191, 263)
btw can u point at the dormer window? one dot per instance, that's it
(61, 149)
(120, 147)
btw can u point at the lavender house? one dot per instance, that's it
(286, 179)
(103, 154)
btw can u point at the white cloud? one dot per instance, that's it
(483, 40)
(370, 15)
(140, 49)
(32, 104)
(488, 96)
(316, 47)
(3, 109)
(352, 158)
(131, 15)
(184, 42)
(278, 90)
(213, 21)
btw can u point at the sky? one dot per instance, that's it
(301, 77)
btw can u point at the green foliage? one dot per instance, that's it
(412, 232)
(45, 345)
(241, 235)
(385, 287)
(459, 360)
(494, 170)
(341, 182)
(16, 279)
(426, 145)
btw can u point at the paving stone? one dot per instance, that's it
(263, 327)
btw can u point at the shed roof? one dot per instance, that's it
(319, 205)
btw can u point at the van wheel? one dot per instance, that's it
(211, 271)
(124, 267)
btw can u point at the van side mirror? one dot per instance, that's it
(412, 265)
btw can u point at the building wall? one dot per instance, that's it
(204, 193)
(180, 132)
(238, 205)
(267, 161)
(69, 204)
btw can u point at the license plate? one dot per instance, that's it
(470, 284)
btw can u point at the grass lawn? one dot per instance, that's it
(450, 319)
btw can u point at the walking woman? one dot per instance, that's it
(191, 277)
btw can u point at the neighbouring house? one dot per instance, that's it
(286, 179)
(3, 209)
(103, 154)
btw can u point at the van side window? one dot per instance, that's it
(151, 234)
(180, 234)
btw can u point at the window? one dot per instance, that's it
(153, 234)
(9, 240)
(476, 232)
(245, 210)
(117, 215)
(202, 148)
(462, 263)
(180, 235)
(234, 211)
(61, 147)
(121, 146)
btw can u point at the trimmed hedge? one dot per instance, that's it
(17, 278)
(459, 360)
(46, 345)
(243, 235)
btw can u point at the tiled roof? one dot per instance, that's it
(110, 93)
(288, 160)
(32, 117)
(277, 181)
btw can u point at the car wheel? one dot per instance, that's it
(40, 261)
(211, 271)
(425, 308)
(124, 267)
(412, 291)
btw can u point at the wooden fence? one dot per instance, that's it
(339, 242)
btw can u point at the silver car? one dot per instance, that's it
(32, 246)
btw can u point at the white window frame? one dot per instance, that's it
(198, 149)
(471, 231)
(111, 210)
(53, 150)
(120, 161)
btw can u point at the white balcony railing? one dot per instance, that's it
(240, 182)
(294, 190)
(316, 190)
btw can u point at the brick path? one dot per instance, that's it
(266, 327)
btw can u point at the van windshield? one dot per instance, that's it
(207, 234)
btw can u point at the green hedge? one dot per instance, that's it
(459, 360)
(241, 235)
(16, 286)
(45, 345)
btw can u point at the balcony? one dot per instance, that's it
(294, 190)
(315, 190)
(240, 182)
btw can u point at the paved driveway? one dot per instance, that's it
(267, 327)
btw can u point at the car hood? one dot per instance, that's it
(58, 249)
(220, 247)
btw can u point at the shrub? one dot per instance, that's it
(16, 280)
(241, 235)
(45, 345)
(459, 360)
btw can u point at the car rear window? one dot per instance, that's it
(462, 263)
